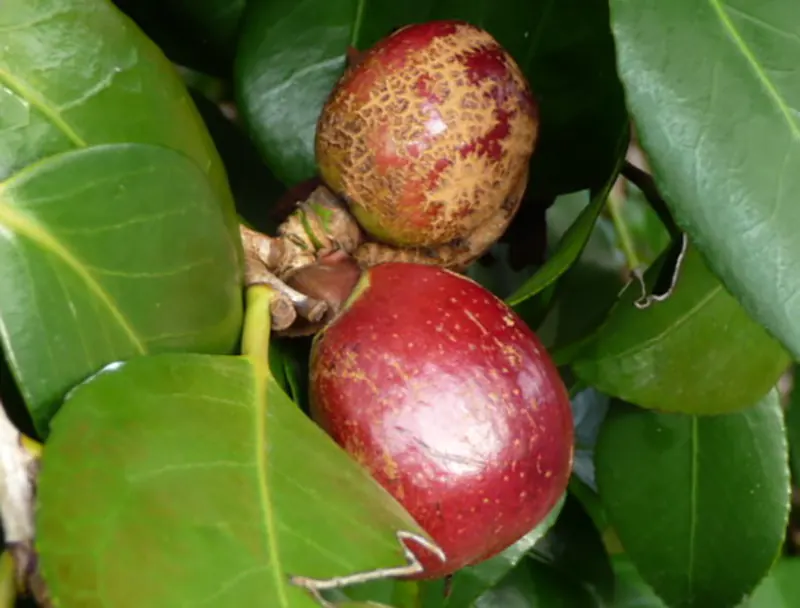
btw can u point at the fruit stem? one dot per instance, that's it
(258, 323)
(647, 186)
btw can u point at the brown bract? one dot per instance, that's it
(429, 135)
(451, 402)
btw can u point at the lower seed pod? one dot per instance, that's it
(451, 402)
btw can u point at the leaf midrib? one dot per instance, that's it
(24, 226)
(678, 323)
(44, 106)
(748, 54)
(261, 371)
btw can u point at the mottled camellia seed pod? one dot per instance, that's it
(451, 402)
(429, 135)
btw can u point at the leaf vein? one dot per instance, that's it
(748, 54)
(31, 230)
(29, 94)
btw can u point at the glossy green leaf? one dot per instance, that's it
(574, 547)
(77, 73)
(535, 585)
(781, 589)
(208, 486)
(471, 582)
(569, 247)
(631, 591)
(696, 352)
(684, 492)
(110, 252)
(291, 54)
(714, 92)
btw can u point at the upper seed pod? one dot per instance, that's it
(428, 136)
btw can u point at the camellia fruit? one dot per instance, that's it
(428, 137)
(451, 402)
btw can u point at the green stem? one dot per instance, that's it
(257, 323)
(624, 235)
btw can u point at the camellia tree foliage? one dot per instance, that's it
(158, 452)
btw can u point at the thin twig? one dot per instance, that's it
(644, 182)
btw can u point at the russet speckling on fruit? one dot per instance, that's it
(427, 138)
(451, 402)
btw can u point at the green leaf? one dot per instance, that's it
(574, 547)
(362, 605)
(569, 248)
(291, 55)
(77, 73)
(793, 424)
(713, 90)
(683, 493)
(255, 189)
(781, 589)
(630, 590)
(207, 485)
(588, 289)
(470, 582)
(535, 585)
(696, 352)
(107, 253)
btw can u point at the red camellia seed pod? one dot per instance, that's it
(451, 402)
(429, 135)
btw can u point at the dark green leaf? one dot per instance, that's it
(569, 248)
(683, 493)
(535, 585)
(255, 189)
(793, 424)
(207, 485)
(630, 590)
(587, 290)
(496, 273)
(291, 55)
(696, 352)
(589, 409)
(574, 547)
(781, 589)
(713, 89)
(188, 35)
(76, 73)
(214, 21)
(470, 582)
(110, 252)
